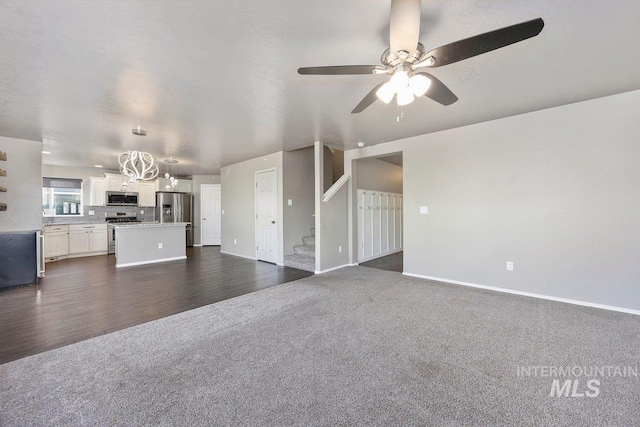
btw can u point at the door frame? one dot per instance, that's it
(202, 213)
(255, 212)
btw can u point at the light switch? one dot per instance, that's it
(290, 202)
(92, 212)
(424, 210)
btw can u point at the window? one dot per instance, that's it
(61, 197)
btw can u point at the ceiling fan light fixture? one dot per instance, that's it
(386, 92)
(405, 96)
(419, 84)
(399, 80)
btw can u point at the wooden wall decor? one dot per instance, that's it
(3, 157)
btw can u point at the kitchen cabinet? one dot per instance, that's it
(56, 241)
(115, 183)
(97, 191)
(147, 194)
(85, 238)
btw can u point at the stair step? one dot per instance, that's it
(305, 250)
(312, 231)
(301, 262)
(309, 240)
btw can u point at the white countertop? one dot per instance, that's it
(151, 224)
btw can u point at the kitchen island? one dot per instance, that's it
(148, 243)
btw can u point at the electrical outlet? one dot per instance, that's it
(339, 248)
(159, 245)
(290, 202)
(424, 210)
(235, 241)
(509, 266)
(141, 212)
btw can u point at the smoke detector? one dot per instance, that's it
(360, 144)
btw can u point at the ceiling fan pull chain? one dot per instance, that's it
(399, 112)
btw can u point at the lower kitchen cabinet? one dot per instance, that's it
(86, 238)
(56, 241)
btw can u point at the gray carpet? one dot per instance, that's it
(357, 346)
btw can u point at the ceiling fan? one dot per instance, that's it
(406, 55)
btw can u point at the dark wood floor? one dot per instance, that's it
(391, 262)
(86, 297)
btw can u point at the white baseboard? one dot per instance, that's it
(238, 255)
(331, 269)
(527, 294)
(83, 254)
(155, 261)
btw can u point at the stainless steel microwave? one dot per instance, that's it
(122, 198)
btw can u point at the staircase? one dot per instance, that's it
(304, 255)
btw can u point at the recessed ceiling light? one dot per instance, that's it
(46, 152)
(97, 166)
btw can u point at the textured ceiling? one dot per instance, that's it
(215, 82)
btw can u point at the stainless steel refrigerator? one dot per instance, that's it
(172, 206)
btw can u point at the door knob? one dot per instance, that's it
(273, 222)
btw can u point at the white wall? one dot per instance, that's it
(298, 185)
(331, 220)
(23, 183)
(555, 191)
(238, 204)
(374, 174)
(197, 181)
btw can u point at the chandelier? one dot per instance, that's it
(170, 174)
(138, 165)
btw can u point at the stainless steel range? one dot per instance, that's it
(114, 218)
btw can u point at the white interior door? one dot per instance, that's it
(210, 214)
(266, 216)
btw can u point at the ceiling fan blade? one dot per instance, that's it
(438, 91)
(486, 42)
(339, 70)
(367, 100)
(404, 25)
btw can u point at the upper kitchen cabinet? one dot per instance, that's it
(97, 191)
(184, 185)
(116, 182)
(147, 193)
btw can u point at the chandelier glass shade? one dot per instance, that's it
(138, 166)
